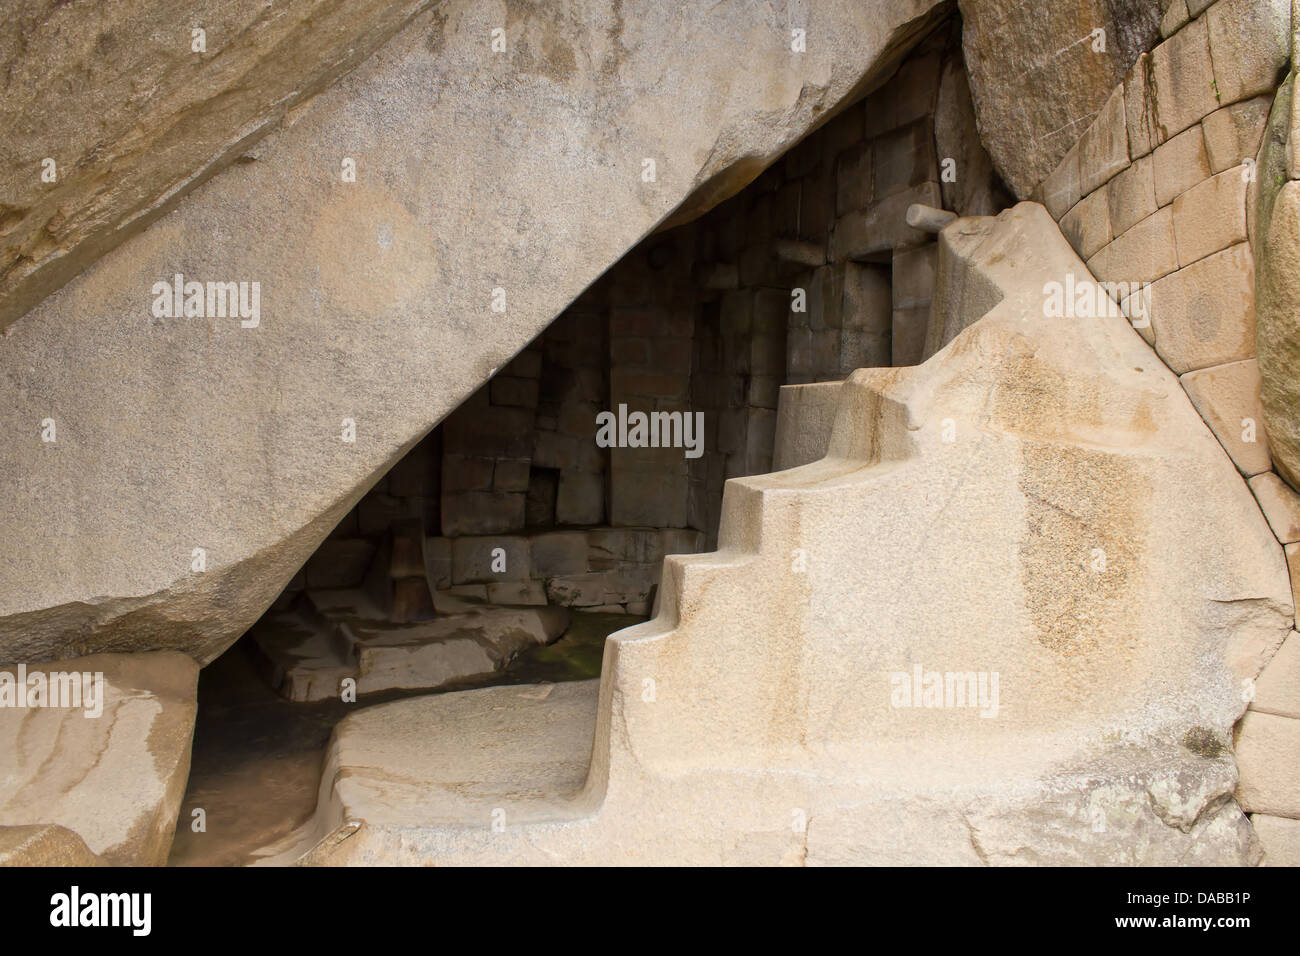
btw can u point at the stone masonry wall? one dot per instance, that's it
(1156, 193)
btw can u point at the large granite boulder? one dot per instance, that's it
(197, 461)
(1039, 73)
(134, 109)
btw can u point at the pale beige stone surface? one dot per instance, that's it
(176, 434)
(140, 119)
(709, 735)
(1063, 188)
(1180, 164)
(1278, 689)
(115, 780)
(1268, 758)
(1234, 134)
(1280, 504)
(1293, 563)
(1211, 216)
(1250, 42)
(1132, 195)
(1169, 89)
(1087, 226)
(1144, 253)
(803, 424)
(1227, 397)
(1103, 148)
(1204, 314)
(1280, 838)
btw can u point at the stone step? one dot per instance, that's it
(307, 651)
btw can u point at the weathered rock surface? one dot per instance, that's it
(44, 844)
(134, 117)
(115, 779)
(1276, 234)
(524, 172)
(1038, 78)
(1065, 695)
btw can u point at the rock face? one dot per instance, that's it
(111, 771)
(1276, 234)
(1039, 74)
(483, 182)
(1066, 694)
(170, 109)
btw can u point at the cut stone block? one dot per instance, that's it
(884, 226)
(1280, 504)
(913, 276)
(1205, 314)
(1144, 253)
(1227, 397)
(1268, 759)
(1280, 839)
(1103, 148)
(1175, 16)
(1211, 216)
(853, 179)
(112, 770)
(511, 475)
(903, 160)
(560, 552)
(907, 338)
(582, 590)
(1234, 134)
(339, 563)
(482, 512)
(1250, 43)
(916, 87)
(1178, 91)
(580, 499)
(475, 560)
(1132, 195)
(516, 592)
(1277, 690)
(868, 293)
(1063, 187)
(1087, 225)
(461, 473)
(1180, 164)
